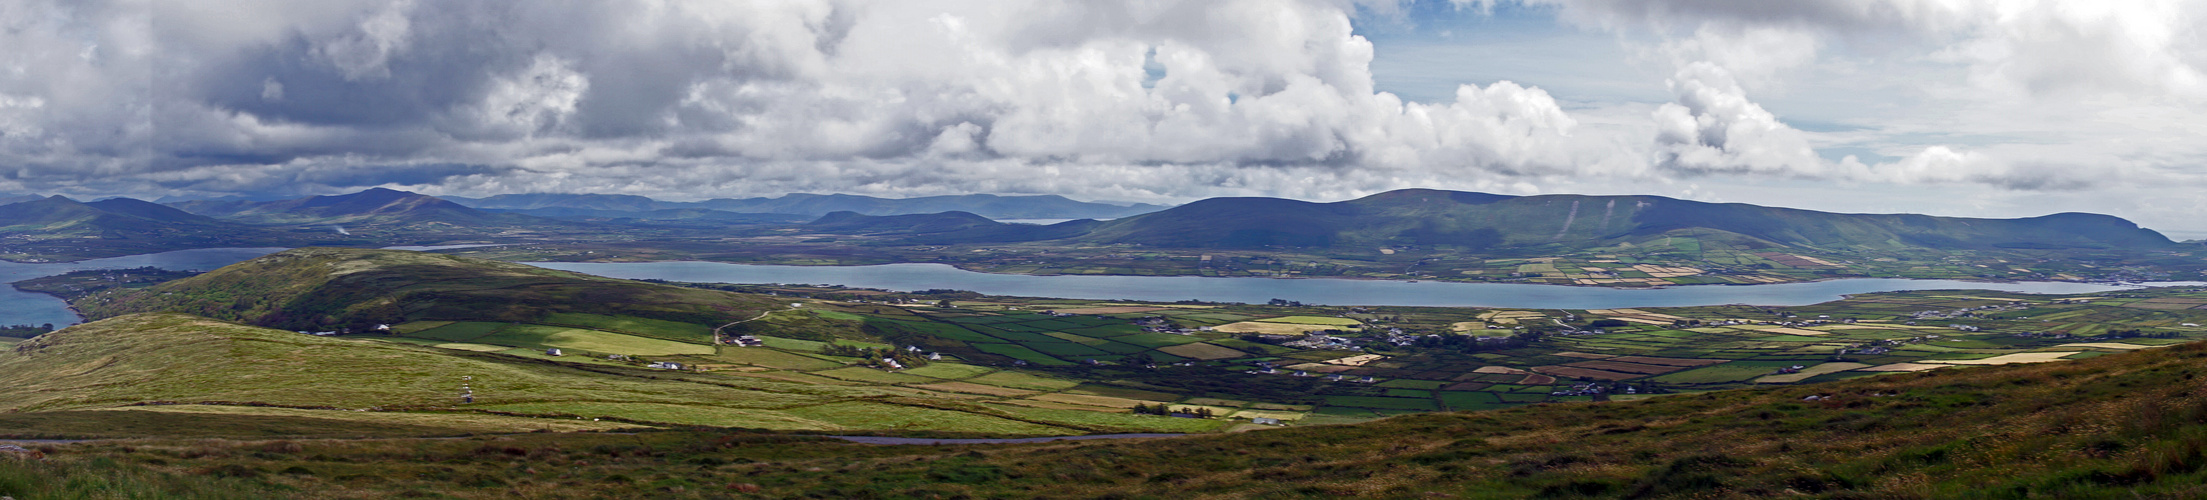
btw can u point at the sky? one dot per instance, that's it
(1994, 108)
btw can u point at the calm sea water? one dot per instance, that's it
(908, 277)
(24, 308)
(17, 307)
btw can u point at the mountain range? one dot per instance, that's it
(1464, 222)
(1482, 222)
(816, 205)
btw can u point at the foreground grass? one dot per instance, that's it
(2126, 425)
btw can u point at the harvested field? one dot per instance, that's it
(1111, 310)
(1794, 331)
(1320, 368)
(1313, 320)
(1626, 367)
(1357, 360)
(1271, 328)
(1903, 367)
(1498, 370)
(1576, 372)
(1582, 355)
(1536, 379)
(1651, 360)
(1202, 351)
(2021, 357)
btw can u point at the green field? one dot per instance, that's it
(660, 329)
(1387, 403)
(539, 336)
(1022, 353)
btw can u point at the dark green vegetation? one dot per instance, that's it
(2128, 425)
(339, 289)
(76, 284)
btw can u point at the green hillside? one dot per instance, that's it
(327, 289)
(58, 228)
(109, 375)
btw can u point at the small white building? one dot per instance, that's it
(554, 352)
(1264, 421)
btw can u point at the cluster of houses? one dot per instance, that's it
(1159, 324)
(1324, 339)
(746, 341)
(1972, 312)
(1591, 389)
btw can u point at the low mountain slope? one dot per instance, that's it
(372, 207)
(58, 215)
(60, 228)
(1480, 221)
(944, 228)
(986, 205)
(816, 205)
(332, 288)
(532, 201)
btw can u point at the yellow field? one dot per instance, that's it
(1810, 372)
(1313, 320)
(2021, 357)
(1793, 331)
(1270, 328)
(1903, 367)
(1284, 416)
(1320, 368)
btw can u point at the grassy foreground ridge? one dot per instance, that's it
(2127, 425)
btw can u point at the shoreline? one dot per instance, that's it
(1969, 279)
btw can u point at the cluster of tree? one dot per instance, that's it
(1609, 323)
(1165, 410)
(25, 331)
(2136, 333)
(872, 357)
(1284, 302)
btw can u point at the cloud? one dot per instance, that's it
(600, 91)
(1714, 128)
(1155, 100)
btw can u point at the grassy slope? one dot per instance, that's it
(217, 367)
(175, 357)
(327, 288)
(2128, 425)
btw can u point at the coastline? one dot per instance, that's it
(1971, 279)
